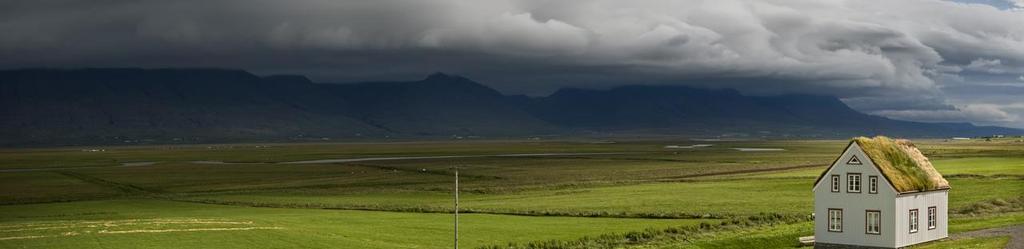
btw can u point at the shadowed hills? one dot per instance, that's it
(115, 106)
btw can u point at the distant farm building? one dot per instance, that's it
(880, 193)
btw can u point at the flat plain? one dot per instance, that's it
(628, 193)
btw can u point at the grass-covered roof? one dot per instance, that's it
(902, 164)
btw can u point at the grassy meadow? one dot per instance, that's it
(530, 194)
(146, 223)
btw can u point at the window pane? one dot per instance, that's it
(835, 220)
(835, 183)
(852, 183)
(873, 184)
(931, 218)
(913, 220)
(873, 222)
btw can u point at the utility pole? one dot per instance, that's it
(456, 207)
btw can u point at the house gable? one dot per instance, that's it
(866, 167)
(855, 205)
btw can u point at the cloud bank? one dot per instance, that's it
(903, 59)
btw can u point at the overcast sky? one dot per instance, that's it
(925, 60)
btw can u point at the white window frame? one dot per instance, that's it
(933, 219)
(873, 222)
(873, 184)
(853, 182)
(835, 183)
(835, 220)
(913, 222)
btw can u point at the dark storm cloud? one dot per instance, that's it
(896, 58)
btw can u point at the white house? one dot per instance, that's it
(880, 193)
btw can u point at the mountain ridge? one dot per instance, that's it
(188, 105)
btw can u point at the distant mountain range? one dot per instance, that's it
(114, 106)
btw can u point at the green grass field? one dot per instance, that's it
(184, 197)
(788, 196)
(141, 223)
(782, 236)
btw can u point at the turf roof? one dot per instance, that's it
(902, 164)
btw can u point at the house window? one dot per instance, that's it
(835, 220)
(932, 222)
(873, 184)
(913, 220)
(853, 183)
(835, 183)
(873, 224)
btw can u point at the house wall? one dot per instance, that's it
(854, 205)
(921, 202)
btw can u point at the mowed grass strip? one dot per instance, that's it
(948, 167)
(289, 228)
(987, 166)
(966, 223)
(187, 177)
(675, 199)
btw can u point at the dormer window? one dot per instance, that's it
(835, 183)
(853, 183)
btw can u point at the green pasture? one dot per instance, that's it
(784, 235)
(137, 223)
(71, 194)
(674, 199)
(106, 156)
(45, 186)
(987, 166)
(1008, 165)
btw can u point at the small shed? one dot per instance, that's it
(880, 193)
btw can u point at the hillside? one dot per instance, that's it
(694, 111)
(114, 106)
(438, 105)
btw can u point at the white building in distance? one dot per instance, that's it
(880, 193)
